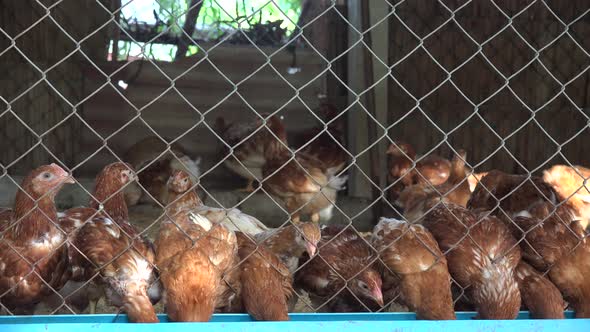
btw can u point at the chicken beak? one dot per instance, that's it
(391, 149)
(378, 296)
(311, 248)
(69, 179)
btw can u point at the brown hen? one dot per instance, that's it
(341, 273)
(287, 243)
(193, 256)
(557, 243)
(248, 141)
(303, 183)
(431, 169)
(147, 153)
(568, 182)
(539, 294)
(290, 242)
(266, 283)
(514, 194)
(325, 143)
(33, 257)
(412, 253)
(196, 255)
(182, 196)
(106, 244)
(416, 200)
(482, 256)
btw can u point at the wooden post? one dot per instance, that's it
(380, 46)
(357, 119)
(358, 130)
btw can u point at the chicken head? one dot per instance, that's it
(367, 285)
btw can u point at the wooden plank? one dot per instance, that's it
(357, 121)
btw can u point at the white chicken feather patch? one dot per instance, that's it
(384, 226)
(337, 182)
(143, 269)
(523, 213)
(201, 221)
(327, 213)
(48, 241)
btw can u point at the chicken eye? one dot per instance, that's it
(364, 286)
(47, 176)
(184, 181)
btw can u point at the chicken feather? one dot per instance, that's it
(412, 252)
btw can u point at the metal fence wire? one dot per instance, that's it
(490, 84)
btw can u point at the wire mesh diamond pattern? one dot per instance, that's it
(387, 148)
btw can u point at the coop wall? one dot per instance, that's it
(230, 81)
(525, 120)
(41, 78)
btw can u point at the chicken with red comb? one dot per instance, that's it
(33, 258)
(107, 244)
(412, 253)
(341, 273)
(482, 256)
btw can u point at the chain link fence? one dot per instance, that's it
(455, 89)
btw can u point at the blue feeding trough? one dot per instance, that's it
(356, 322)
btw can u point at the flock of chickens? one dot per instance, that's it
(490, 242)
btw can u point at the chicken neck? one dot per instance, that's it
(182, 201)
(33, 219)
(112, 198)
(139, 307)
